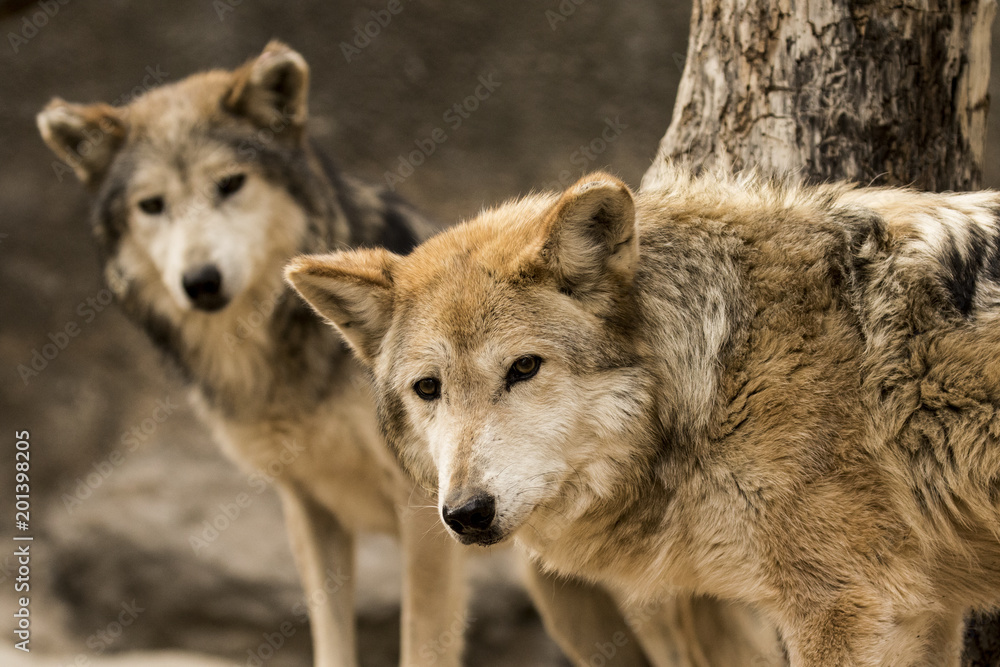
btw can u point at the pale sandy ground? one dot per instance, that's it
(15, 658)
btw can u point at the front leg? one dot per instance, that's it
(324, 554)
(819, 637)
(684, 630)
(434, 616)
(584, 620)
(865, 636)
(944, 639)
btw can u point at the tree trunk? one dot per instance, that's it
(886, 92)
(878, 92)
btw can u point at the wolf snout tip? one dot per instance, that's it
(472, 518)
(203, 285)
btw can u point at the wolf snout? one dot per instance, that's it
(470, 517)
(203, 285)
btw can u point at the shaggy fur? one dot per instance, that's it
(274, 383)
(783, 395)
(280, 393)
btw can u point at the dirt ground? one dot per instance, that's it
(123, 545)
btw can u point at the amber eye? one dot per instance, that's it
(152, 205)
(428, 388)
(524, 368)
(230, 185)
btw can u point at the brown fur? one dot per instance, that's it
(783, 395)
(266, 374)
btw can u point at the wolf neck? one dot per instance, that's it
(692, 313)
(633, 538)
(275, 352)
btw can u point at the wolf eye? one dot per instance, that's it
(428, 388)
(524, 368)
(152, 205)
(230, 185)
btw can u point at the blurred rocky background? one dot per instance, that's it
(114, 575)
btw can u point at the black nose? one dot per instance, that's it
(204, 287)
(472, 516)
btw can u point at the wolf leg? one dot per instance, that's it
(324, 553)
(584, 620)
(931, 639)
(945, 639)
(434, 616)
(879, 639)
(698, 631)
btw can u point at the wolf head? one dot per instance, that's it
(501, 354)
(192, 205)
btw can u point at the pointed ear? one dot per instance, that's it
(272, 90)
(353, 290)
(86, 137)
(591, 242)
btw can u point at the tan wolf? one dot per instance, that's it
(756, 390)
(203, 189)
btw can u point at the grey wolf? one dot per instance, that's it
(783, 395)
(202, 191)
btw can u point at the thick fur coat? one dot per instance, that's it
(778, 394)
(202, 191)
(216, 171)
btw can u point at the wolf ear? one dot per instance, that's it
(352, 290)
(86, 137)
(273, 89)
(591, 242)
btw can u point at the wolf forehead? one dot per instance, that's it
(477, 277)
(166, 113)
(468, 308)
(266, 97)
(499, 241)
(477, 296)
(185, 124)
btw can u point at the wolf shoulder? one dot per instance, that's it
(920, 250)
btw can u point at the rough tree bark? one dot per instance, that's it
(893, 91)
(889, 92)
